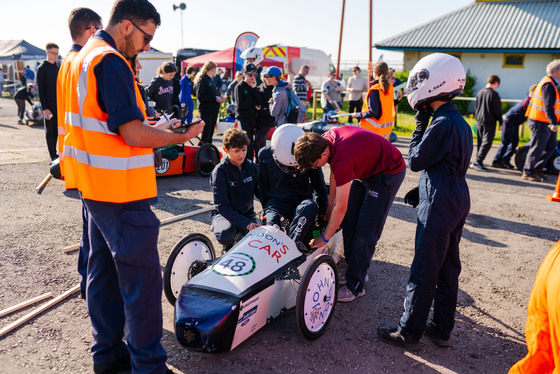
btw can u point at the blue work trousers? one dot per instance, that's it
(302, 218)
(83, 251)
(510, 140)
(368, 206)
(124, 284)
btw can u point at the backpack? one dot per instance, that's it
(296, 110)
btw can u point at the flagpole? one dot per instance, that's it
(340, 40)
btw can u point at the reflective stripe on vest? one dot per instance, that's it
(535, 109)
(384, 125)
(62, 89)
(106, 167)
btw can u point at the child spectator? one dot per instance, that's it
(186, 93)
(160, 89)
(234, 182)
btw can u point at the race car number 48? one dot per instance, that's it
(235, 265)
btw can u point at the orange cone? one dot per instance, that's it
(556, 195)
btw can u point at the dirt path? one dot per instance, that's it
(510, 229)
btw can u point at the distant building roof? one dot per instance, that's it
(504, 26)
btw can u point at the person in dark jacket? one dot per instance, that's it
(488, 110)
(265, 121)
(46, 83)
(209, 99)
(510, 132)
(160, 90)
(246, 104)
(441, 152)
(234, 183)
(185, 96)
(285, 191)
(22, 95)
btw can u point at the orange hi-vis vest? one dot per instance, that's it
(535, 110)
(106, 168)
(542, 331)
(384, 125)
(62, 89)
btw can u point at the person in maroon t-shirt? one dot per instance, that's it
(366, 173)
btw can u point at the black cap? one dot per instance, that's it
(249, 68)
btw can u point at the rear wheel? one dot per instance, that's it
(205, 159)
(186, 260)
(316, 297)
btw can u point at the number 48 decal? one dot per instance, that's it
(235, 265)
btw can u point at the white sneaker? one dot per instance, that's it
(345, 295)
(342, 279)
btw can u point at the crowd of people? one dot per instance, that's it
(541, 108)
(98, 106)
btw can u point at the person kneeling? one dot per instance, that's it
(234, 182)
(287, 193)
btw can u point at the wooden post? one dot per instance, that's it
(340, 40)
(314, 105)
(38, 311)
(163, 222)
(24, 304)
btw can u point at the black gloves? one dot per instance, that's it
(412, 197)
(422, 118)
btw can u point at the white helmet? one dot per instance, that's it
(438, 76)
(255, 53)
(282, 143)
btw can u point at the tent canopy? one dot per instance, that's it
(223, 59)
(20, 50)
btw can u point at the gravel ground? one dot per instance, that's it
(509, 231)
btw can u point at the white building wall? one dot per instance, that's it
(515, 82)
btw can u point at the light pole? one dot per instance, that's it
(182, 7)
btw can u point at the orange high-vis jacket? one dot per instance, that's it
(62, 89)
(384, 125)
(535, 110)
(105, 167)
(542, 331)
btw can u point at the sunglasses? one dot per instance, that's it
(95, 27)
(147, 37)
(268, 76)
(252, 74)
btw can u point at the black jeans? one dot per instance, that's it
(354, 106)
(210, 117)
(484, 136)
(20, 108)
(51, 134)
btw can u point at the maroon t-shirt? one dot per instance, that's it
(356, 153)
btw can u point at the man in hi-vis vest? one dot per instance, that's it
(543, 115)
(110, 144)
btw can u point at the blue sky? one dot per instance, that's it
(216, 24)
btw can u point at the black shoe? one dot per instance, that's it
(507, 165)
(478, 166)
(116, 367)
(540, 174)
(393, 336)
(431, 331)
(498, 164)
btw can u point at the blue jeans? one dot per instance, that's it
(368, 206)
(124, 284)
(510, 140)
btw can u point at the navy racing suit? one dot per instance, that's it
(442, 154)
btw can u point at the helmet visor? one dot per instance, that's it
(417, 80)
